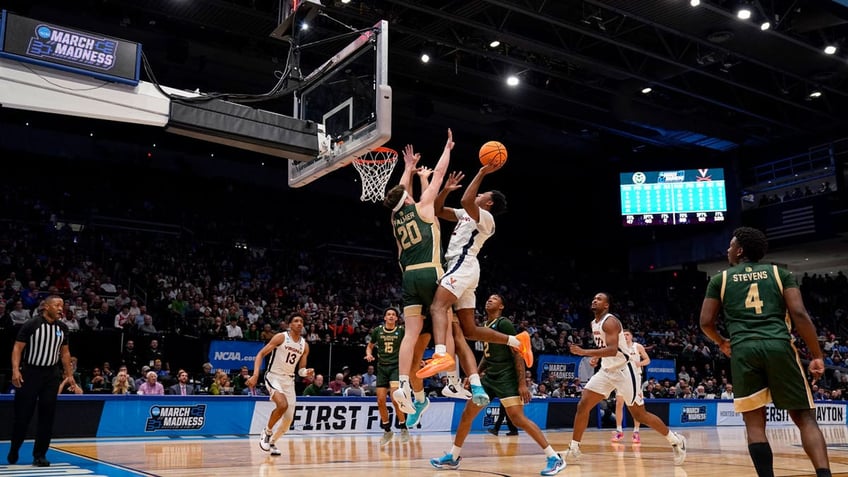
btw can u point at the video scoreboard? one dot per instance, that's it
(685, 196)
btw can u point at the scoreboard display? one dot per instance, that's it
(685, 196)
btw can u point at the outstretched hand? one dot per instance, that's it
(450, 143)
(424, 172)
(491, 167)
(410, 157)
(452, 183)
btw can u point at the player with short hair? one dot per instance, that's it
(639, 357)
(617, 374)
(288, 350)
(418, 237)
(502, 368)
(760, 303)
(386, 339)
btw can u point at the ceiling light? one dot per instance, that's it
(816, 94)
(694, 3)
(345, 1)
(646, 90)
(425, 58)
(829, 50)
(494, 44)
(744, 13)
(512, 80)
(765, 25)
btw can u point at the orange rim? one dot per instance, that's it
(378, 150)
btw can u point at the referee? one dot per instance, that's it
(36, 374)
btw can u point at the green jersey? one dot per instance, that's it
(419, 241)
(387, 343)
(499, 357)
(751, 296)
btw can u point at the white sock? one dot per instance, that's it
(619, 429)
(672, 438)
(453, 377)
(268, 431)
(404, 382)
(549, 451)
(574, 445)
(635, 428)
(513, 341)
(441, 349)
(455, 452)
(474, 379)
(419, 395)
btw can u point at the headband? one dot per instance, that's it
(400, 202)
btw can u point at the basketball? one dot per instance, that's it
(492, 151)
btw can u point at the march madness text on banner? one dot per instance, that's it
(229, 355)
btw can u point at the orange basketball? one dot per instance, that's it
(492, 151)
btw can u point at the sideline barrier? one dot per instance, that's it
(93, 415)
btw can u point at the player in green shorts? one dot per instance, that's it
(386, 339)
(502, 370)
(760, 303)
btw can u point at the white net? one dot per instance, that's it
(375, 168)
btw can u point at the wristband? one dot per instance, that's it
(302, 372)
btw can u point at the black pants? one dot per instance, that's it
(501, 417)
(39, 389)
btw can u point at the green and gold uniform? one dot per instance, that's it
(420, 257)
(764, 361)
(387, 344)
(501, 378)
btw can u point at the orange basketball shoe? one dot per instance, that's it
(526, 348)
(439, 363)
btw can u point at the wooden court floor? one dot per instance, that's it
(712, 452)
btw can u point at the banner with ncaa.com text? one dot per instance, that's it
(232, 355)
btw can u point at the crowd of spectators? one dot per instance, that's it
(122, 269)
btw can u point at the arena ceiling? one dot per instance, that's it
(717, 83)
(721, 89)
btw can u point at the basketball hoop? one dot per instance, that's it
(375, 168)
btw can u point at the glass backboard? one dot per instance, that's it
(349, 98)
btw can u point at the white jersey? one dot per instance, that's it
(469, 236)
(622, 356)
(636, 357)
(285, 358)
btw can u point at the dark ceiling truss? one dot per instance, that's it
(581, 61)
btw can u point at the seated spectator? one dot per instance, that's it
(222, 385)
(19, 314)
(337, 385)
(182, 387)
(316, 388)
(234, 331)
(728, 392)
(121, 383)
(96, 382)
(151, 385)
(355, 388)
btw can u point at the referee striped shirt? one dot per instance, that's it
(44, 341)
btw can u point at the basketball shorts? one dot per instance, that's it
(461, 280)
(419, 287)
(624, 380)
(278, 383)
(768, 371)
(386, 375)
(500, 385)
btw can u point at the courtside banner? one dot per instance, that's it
(563, 367)
(536, 410)
(826, 413)
(692, 413)
(660, 369)
(69, 49)
(320, 415)
(176, 415)
(232, 355)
